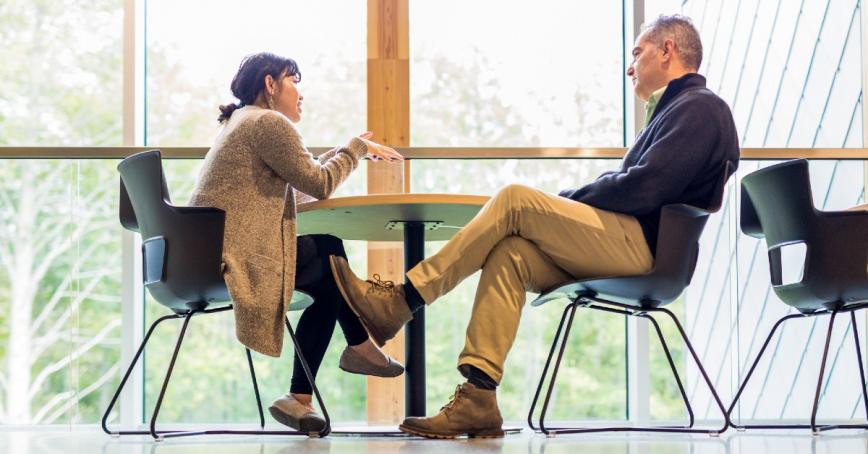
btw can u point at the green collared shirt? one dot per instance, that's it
(652, 103)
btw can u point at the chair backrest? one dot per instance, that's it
(181, 246)
(777, 205)
(677, 251)
(681, 226)
(776, 202)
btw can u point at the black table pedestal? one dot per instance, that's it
(414, 345)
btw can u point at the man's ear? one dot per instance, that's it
(668, 48)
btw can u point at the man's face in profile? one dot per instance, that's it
(646, 71)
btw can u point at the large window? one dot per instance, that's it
(194, 50)
(530, 77)
(542, 74)
(483, 73)
(61, 74)
(59, 253)
(592, 384)
(189, 70)
(790, 72)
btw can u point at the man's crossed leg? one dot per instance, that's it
(523, 240)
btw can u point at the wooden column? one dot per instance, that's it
(389, 119)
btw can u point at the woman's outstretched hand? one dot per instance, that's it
(377, 151)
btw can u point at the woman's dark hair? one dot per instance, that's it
(250, 79)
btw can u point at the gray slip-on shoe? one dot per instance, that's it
(354, 363)
(290, 412)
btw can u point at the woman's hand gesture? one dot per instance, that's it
(377, 151)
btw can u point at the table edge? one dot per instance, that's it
(393, 199)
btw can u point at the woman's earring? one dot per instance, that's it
(269, 100)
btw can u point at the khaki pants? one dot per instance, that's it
(526, 240)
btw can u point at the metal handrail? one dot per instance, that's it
(430, 152)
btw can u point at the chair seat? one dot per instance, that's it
(300, 301)
(803, 298)
(642, 291)
(220, 298)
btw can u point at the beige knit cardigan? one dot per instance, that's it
(251, 172)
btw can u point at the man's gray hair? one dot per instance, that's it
(683, 33)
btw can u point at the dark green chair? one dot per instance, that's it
(641, 296)
(776, 204)
(182, 251)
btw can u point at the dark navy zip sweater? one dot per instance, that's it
(679, 157)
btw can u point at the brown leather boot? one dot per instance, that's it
(380, 305)
(472, 411)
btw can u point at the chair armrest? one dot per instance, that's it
(198, 210)
(682, 209)
(207, 221)
(844, 214)
(748, 218)
(850, 224)
(125, 210)
(203, 229)
(843, 237)
(680, 227)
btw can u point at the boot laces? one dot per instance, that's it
(454, 399)
(378, 285)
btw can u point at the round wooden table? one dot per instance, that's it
(411, 218)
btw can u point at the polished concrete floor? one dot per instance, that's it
(91, 440)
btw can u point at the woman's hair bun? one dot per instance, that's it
(226, 112)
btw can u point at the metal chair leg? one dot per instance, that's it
(701, 370)
(859, 359)
(328, 428)
(546, 368)
(255, 389)
(813, 423)
(674, 369)
(572, 308)
(822, 372)
(753, 367)
(127, 376)
(261, 431)
(157, 436)
(623, 309)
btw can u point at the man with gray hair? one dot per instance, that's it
(524, 239)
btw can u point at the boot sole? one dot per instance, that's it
(491, 433)
(374, 334)
(306, 425)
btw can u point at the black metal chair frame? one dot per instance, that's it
(678, 244)
(196, 235)
(815, 428)
(777, 206)
(590, 301)
(193, 297)
(159, 435)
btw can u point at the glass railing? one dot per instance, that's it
(60, 290)
(61, 333)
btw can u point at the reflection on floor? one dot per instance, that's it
(91, 440)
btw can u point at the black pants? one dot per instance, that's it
(317, 322)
